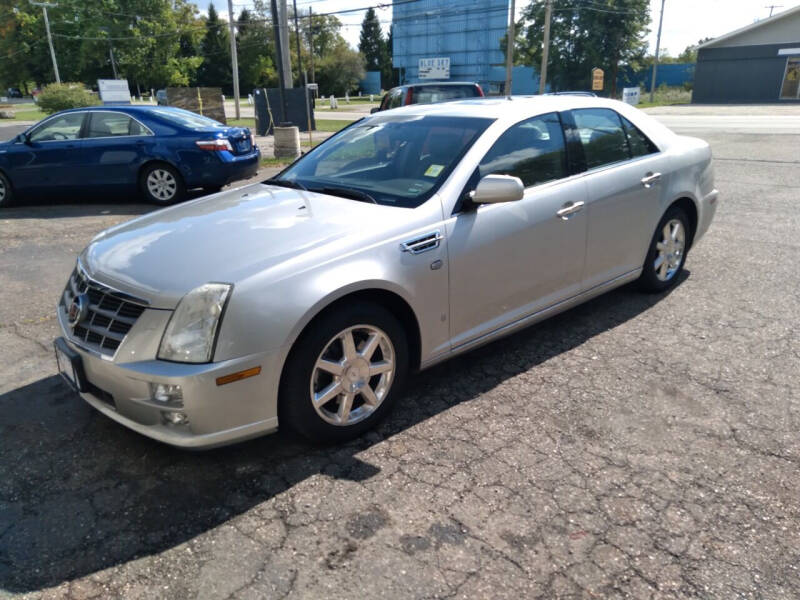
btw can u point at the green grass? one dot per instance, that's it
(29, 114)
(331, 124)
(665, 96)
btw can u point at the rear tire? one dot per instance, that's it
(161, 184)
(667, 253)
(330, 393)
(6, 191)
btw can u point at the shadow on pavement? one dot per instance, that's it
(79, 493)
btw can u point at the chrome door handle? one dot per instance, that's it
(650, 179)
(570, 208)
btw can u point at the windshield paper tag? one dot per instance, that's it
(433, 170)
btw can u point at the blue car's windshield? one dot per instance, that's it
(184, 118)
(397, 160)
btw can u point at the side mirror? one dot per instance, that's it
(498, 188)
(25, 138)
(374, 109)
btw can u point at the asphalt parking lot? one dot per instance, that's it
(634, 447)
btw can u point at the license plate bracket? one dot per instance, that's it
(70, 366)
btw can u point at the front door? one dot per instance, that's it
(50, 160)
(508, 261)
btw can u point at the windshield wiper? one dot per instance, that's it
(346, 193)
(295, 185)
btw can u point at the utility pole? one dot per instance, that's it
(510, 50)
(297, 39)
(311, 42)
(234, 59)
(548, 11)
(655, 58)
(283, 22)
(45, 6)
(113, 62)
(279, 55)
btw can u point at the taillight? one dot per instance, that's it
(409, 96)
(480, 91)
(215, 145)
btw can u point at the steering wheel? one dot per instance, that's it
(57, 135)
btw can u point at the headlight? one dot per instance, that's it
(192, 328)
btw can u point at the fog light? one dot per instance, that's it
(167, 393)
(174, 418)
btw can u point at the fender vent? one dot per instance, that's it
(423, 243)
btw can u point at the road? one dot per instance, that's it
(635, 447)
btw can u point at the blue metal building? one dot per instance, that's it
(468, 32)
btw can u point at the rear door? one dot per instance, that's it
(52, 158)
(115, 146)
(625, 177)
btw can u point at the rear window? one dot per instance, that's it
(431, 94)
(184, 118)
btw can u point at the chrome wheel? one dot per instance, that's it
(670, 249)
(162, 184)
(352, 375)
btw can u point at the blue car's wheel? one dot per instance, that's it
(161, 184)
(6, 193)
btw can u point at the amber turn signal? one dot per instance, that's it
(238, 375)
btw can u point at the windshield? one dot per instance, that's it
(184, 118)
(396, 160)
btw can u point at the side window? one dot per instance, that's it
(532, 150)
(640, 144)
(396, 99)
(65, 127)
(603, 140)
(112, 124)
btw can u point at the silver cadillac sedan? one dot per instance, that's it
(409, 237)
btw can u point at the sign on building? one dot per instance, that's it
(434, 68)
(597, 79)
(114, 91)
(631, 95)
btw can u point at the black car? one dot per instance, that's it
(428, 93)
(13, 92)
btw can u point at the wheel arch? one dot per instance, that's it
(382, 296)
(154, 161)
(689, 206)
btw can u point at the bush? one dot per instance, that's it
(61, 96)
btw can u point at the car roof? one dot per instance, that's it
(130, 108)
(438, 83)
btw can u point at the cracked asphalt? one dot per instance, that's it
(634, 447)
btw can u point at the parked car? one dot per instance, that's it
(161, 98)
(13, 92)
(160, 151)
(428, 93)
(403, 240)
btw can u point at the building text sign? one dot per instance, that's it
(114, 91)
(597, 79)
(434, 68)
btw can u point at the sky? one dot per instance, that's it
(685, 21)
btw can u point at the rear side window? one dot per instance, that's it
(532, 150)
(604, 142)
(431, 94)
(112, 124)
(640, 144)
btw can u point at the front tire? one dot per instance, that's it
(161, 184)
(667, 253)
(344, 373)
(6, 192)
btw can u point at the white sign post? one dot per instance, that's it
(114, 91)
(631, 95)
(434, 68)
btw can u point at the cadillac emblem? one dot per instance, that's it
(78, 309)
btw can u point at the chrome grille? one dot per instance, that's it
(110, 316)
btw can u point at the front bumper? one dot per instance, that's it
(217, 414)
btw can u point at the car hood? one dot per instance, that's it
(226, 238)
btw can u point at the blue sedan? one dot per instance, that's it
(159, 150)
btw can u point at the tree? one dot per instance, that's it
(375, 48)
(340, 70)
(216, 52)
(605, 34)
(256, 47)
